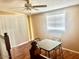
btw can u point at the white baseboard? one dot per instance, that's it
(63, 47)
(20, 44)
(71, 50)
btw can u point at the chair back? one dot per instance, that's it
(57, 39)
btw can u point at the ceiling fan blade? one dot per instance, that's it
(37, 6)
(6, 1)
(35, 9)
(27, 1)
(15, 7)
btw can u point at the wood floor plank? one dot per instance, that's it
(22, 52)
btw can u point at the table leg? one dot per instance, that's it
(46, 53)
(49, 54)
(61, 52)
(55, 54)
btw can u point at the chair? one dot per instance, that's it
(57, 39)
(34, 52)
(37, 39)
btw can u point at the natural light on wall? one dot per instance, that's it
(30, 28)
(16, 27)
(56, 24)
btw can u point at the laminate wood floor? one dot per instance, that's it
(22, 52)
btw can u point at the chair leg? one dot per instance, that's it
(40, 50)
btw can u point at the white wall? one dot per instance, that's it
(16, 25)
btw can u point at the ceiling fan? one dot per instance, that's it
(26, 6)
(29, 6)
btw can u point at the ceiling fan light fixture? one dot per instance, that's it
(37, 6)
(27, 5)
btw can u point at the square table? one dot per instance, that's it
(48, 45)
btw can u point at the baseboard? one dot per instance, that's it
(63, 47)
(71, 50)
(20, 44)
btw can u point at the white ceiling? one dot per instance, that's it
(11, 5)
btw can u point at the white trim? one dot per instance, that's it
(45, 56)
(71, 50)
(20, 44)
(63, 47)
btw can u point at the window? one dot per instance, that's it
(56, 24)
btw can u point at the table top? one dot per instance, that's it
(48, 44)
